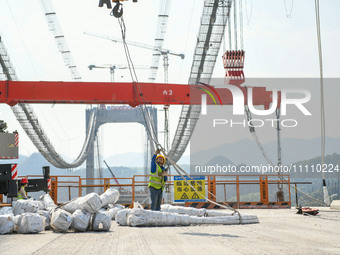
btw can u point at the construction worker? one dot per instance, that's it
(158, 177)
(22, 194)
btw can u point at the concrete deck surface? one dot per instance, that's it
(280, 231)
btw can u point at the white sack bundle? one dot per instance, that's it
(30, 223)
(46, 215)
(25, 206)
(121, 217)
(81, 220)
(101, 221)
(60, 220)
(110, 196)
(6, 210)
(48, 200)
(6, 224)
(114, 210)
(91, 203)
(144, 218)
(195, 212)
(184, 210)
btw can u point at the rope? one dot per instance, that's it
(152, 130)
(322, 102)
(288, 12)
(235, 23)
(251, 12)
(322, 105)
(252, 131)
(241, 24)
(179, 170)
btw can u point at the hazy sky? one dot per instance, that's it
(276, 46)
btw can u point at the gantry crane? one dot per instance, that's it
(114, 67)
(164, 52)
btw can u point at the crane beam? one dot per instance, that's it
(14, 92)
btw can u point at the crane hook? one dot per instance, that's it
(117, 11)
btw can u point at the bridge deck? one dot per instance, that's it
(279, 232)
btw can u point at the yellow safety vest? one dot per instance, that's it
(19, 195)
(156, 180)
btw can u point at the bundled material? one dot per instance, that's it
(141, 218)
(114, 210)
(225, 220)
(46, 215)
(6, 224)
(81, 220)
(6, 210)
(90, 203)
(30, 223)
(110, 196)
(48, 200)
(121, 217)
(41, 205)
(60, 220)
(193, 211)
(101, 221)
(184, 210)
(25, 206)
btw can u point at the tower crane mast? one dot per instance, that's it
(160, 51)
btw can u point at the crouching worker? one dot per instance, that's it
(22, 194)
(158, 177)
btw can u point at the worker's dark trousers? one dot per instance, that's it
(156, 198)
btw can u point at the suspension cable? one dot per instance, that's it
(150, 126)
(235, 23)
(241, 23)
(288, 12)
(322, 102)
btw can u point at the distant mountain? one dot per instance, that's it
(220, 160)
(130, 159)
(247, 152)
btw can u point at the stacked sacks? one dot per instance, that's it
(91, 211)
(114, 210)
(46, 214)
(28, 223)
(121, 217)
(6, 224)
(110, 196)
(60, 220)
(48, 200)
(25, 206)
(101, 221)
(81, 220)
(6, 210)
(90, 203)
